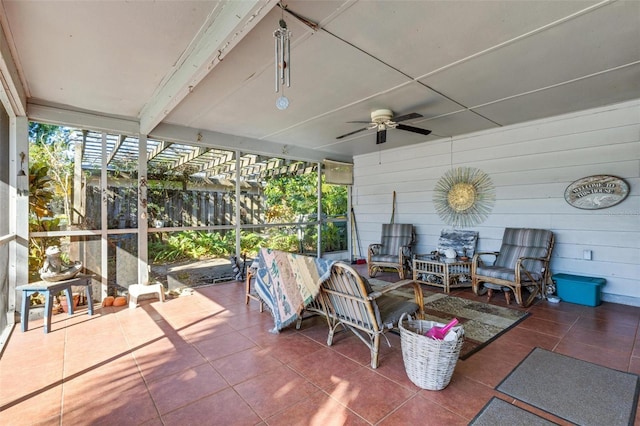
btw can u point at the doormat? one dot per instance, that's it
(577, 391)
(500, 412)
(482, 322)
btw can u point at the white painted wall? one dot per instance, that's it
(531, 165)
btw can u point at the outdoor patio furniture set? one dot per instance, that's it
(522, 263)
(345, 298)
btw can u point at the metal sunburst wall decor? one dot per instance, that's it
(464, 196)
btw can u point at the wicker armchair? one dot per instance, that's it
(523, 261)
(394, 251)
(348, 300)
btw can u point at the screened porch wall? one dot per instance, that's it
(122, 211)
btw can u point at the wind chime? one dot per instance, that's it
(282, 62)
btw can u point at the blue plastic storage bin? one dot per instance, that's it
(578, 289)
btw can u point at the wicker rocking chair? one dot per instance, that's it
(349, 301)
(522, 262)
(394, 251)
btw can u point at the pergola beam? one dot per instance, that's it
(116, 148)
(223, 29)
(228, 167)
(222, 159)
(206, 160)
(197, 152)
(158, 149)
(223, 169)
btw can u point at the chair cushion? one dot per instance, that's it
(367, 284)
(521, 242)
(394, 236)
(502, 273)
(496, 287)
(389, 308)
(385, 258)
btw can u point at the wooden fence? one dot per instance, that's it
(174, 208)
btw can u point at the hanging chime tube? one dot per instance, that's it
(288, 61)
(275, 34)
(282, 55)
(283, 64)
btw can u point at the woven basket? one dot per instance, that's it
(429, 362)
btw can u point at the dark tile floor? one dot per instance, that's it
(209, 359)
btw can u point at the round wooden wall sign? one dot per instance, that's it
(596, 192)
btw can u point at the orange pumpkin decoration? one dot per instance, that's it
(108, 301)
(120, 301)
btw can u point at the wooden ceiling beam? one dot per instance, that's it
(13, 94)
(228, 23)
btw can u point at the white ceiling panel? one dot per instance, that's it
(603, 39)
(102, 56)
(419, 37)
(252, 59)
(458, 123)
(321, 133)
(616, 86)
(464, 65)
(366, 142)
(319, 84)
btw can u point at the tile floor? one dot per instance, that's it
(209, 359)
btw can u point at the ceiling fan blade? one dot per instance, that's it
(381, 136)
(352, 133)
(406, 117)
(413, 129)
(361, 121)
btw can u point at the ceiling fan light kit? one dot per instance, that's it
(381, 116)
(382, 119)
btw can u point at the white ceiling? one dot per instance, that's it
(464, 65)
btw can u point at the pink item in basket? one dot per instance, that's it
(440, 332)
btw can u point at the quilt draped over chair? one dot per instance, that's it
(394, 250)
(523, 261)
(288, 282)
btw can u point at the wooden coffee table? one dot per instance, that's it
(442, 272)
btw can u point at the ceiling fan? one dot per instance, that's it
(382, 119)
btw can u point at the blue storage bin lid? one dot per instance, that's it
(579, 279)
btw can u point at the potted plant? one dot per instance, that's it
(62, 299)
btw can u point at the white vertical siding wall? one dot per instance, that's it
(531, 165)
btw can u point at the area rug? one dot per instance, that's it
(499, 412)
(482, 322)
(575, 390)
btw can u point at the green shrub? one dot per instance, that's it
(201, 245)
